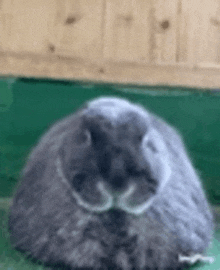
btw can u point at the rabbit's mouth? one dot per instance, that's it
(130, 200)
(127, 203)
(135, 197)
(125, 200)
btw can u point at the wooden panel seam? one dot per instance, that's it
(76, 69)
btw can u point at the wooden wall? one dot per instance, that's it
(174, 42)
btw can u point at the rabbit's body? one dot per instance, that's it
(110, 186)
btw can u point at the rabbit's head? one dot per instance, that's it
(114, 158)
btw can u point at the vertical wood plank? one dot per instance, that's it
(165, 30)
(5, 22)
(127, 30)
(188, 32)
(209, 38)
(79, 28)
(26, 25)
(182, 49)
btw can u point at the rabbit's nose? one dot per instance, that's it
(118, 175)
(118, 182)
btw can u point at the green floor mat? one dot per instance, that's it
(10, 259)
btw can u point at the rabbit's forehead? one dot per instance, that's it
(117, 110)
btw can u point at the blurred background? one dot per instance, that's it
(56, 55)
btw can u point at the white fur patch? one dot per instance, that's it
(113, 108)
(196, 258)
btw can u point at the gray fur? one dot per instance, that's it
(110, 186)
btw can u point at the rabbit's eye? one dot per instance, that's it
(151, 146)
(139, 138)
(83, 137)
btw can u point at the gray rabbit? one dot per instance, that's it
(110, 187)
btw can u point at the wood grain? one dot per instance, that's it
(127, 30)
(165, 30)
(26, 25)
(78, 28)
(75, 69)
(173, 42)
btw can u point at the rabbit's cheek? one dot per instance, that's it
(137, 198)
(87, 190)
(94, 197)
(90, 193)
